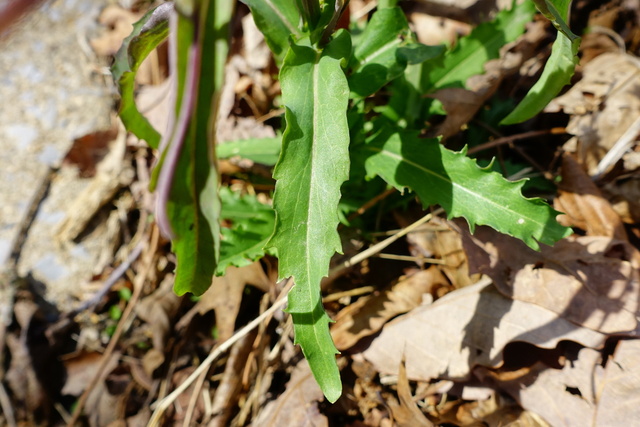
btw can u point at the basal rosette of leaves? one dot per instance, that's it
(327, 77)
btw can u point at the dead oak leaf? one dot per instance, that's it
(592, 282)
(583, 204)
(468, 327)
(298, 405)
(225, 295)
(366, 316)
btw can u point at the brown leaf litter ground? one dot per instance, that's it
(440, 328)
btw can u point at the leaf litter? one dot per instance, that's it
(448, 328)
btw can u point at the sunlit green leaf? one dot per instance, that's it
(455, 182)
(559, 68)
(314, 162)
(277, 20)
(187, 179)
(384, 50)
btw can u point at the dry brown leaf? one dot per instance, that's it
(603, 105)
(624, 195)
(563, 397)
(101, 404)
(225, 295)
(367, 315)
(158, 310)
(120, 23)
(468, 327)
(406, 413)
(619, 389)
(435, 30)
(155, 103)
(583, 204)
(591, 281)
(437, 239)
(461, 105)
(298, 405)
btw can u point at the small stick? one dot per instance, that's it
(513, 138)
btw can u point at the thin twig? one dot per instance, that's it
(513, 138)
(379, 246)
(111, 280)
(362, 209)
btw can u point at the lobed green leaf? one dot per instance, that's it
(455, 182)
(314, 162)
(252, 225)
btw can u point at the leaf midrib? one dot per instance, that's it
(312, 190)
(430, 172)
(286, 22)
(387, 46)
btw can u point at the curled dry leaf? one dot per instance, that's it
(120, 23)
(624, 195)
(367, 315)
(583, 203)
(468, 327)
(406, 413)
(591, 281)
(227, 393)
(298, 405)
(439, 239)
(158, 310)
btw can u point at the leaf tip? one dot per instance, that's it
(332, 391)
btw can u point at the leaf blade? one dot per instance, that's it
(276, 20)
(253, 224)
(188, 206)
(313, 163)
(151, 30)
(557, 71)
(455, 182)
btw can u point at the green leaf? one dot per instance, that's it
(277, 20)
(455, 182)
(252, 226)
(470, 54)
(559, 68)
(384, 51)
(314, 162)
(260, 150)
(151, 30)
(187, 180)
